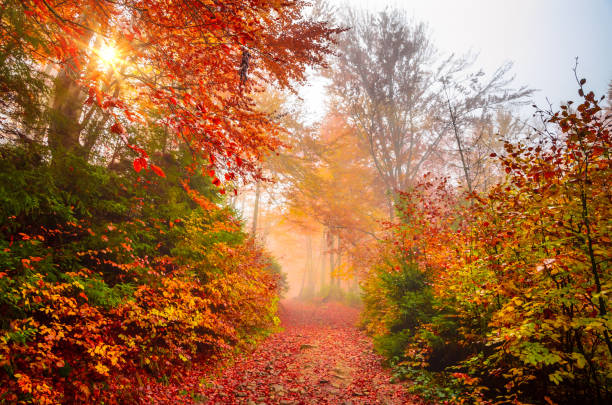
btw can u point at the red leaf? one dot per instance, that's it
(140, 164)
(157, 170)
(216, 182)
(138, 150)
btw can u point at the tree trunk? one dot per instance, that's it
(330, 246)
(338, 259)
(68, 100)
(307, 289)
(322, 256)
(256, 209)
(64, 128)
(391, 207)
(464, 163)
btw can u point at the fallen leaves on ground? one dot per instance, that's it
(319, 358)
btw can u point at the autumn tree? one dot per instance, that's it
(121, 261)
(188, 67)
(338, 190)
(406, 102)
(382, 80)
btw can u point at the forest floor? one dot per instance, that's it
(320, 357)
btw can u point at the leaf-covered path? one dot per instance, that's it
(319, 358)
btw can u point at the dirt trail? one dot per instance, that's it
(319, 358)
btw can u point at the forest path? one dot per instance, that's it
(319, 358)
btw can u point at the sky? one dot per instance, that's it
(541, 37)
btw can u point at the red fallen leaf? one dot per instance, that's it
(140, 164)
(222, 191)
(82, 295)
(238, 161)
(157, 170)
(216, 182)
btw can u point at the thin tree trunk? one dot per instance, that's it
(301, 294)
(330, 245)
(338, 258)
(322, 272)
(464, 164)
(310, 282)
(256, 209)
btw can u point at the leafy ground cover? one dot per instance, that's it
(320, 357)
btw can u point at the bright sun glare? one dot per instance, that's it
(108, 54)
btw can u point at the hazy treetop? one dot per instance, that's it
(541, 37)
